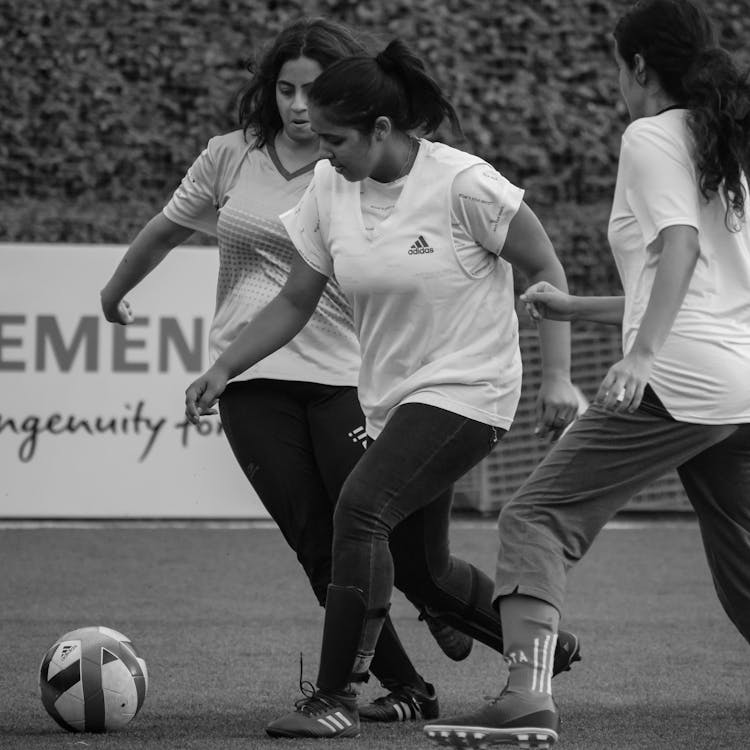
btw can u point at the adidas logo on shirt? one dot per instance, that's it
(420, 247)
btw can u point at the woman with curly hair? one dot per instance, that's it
(680, 396)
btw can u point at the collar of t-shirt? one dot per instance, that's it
(378, 199)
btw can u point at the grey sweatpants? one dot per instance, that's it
(602, 461)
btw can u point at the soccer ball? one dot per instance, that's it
(92, 680)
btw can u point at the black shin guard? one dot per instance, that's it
(346, 615)
(390, 663)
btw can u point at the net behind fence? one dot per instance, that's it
(491, 483)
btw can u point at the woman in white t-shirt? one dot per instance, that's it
(293, 421)
(422, 239)
(680, 396)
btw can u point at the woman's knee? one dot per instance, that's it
(358, 510)
(512, 521)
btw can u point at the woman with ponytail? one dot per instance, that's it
(293, 421)
(680, 396)
(422, 238)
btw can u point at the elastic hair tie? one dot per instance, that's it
(385, 62)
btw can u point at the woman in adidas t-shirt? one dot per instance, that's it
(422, 239)
(293, 420)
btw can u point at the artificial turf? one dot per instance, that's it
(221, 616)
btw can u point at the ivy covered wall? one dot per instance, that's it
(107, 102)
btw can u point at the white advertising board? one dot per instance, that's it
(91, 414)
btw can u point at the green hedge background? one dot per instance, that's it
(107, 102)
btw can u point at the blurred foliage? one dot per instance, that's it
(107, 102)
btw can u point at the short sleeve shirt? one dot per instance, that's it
(701, 372)
(236, 192)
(431, 294)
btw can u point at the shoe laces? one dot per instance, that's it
(315, 703)
(312, 701)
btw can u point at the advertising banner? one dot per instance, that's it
(92, 414)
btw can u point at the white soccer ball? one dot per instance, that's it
(92, 680)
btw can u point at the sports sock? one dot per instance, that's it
(391, 664)
(529, 635)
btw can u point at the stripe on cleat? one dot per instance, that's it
(338, 720)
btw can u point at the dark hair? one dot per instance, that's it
(677, 41)
(394, 83)
(318, 39)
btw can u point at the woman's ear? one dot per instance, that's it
(383, 127)
(639, 69)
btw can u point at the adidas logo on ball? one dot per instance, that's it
(92, 680)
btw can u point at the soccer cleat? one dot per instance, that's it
(455, 644)
(501, 722)
(403, 703)
(567, 651)
(320, 716)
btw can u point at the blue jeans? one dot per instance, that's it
(395, 506)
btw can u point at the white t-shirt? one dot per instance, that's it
(420, 263)
(702, 373)
(236, 193)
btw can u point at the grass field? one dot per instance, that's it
(222, 614)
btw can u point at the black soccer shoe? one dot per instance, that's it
(403, 703)
(567, 652)
(319, 716)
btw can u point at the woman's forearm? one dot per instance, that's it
(146, 251)
(606, 310)
(278, 322)
(273, 327)
(554, 335)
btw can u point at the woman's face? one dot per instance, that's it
(353, 154)
(294, 79)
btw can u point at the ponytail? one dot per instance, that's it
(393, 83)
(718, 99)
(678, 42)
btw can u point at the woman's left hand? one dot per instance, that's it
(203, 393)
(557, 406)
(623, 386)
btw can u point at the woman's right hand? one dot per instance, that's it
(203, 393)
(545, 301)
(116, 310)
